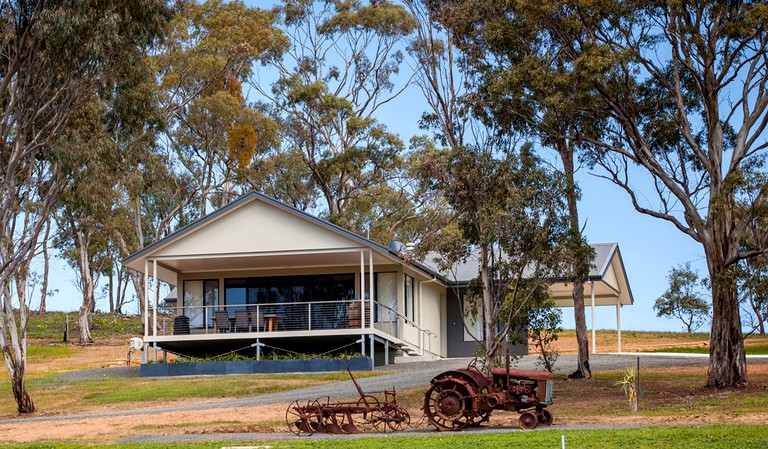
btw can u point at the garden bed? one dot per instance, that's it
(252, 367)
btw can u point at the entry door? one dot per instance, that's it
(199, 296)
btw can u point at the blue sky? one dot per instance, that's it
(650, 247)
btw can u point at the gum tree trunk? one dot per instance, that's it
(582, 370)
(86, 281)
(582, 338)
(727, 359)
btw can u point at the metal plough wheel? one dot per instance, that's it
(399, 419)
(365, 419)
(299, 418)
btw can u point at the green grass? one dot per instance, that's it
(54, 394)
(758, 349)
(51, 325)
(711, 436)
(50, 351)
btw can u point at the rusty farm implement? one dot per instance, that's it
(369, 412)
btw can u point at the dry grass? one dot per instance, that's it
(671, 395)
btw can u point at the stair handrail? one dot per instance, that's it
(407, 320)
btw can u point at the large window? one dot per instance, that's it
(409, 297)
(288, 289)
(473, 319)
(199, 295)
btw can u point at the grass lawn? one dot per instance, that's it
(54, 395)
(750, 347)
(713, 436)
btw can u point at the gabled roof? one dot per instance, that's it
(299, 214)
(607, 268)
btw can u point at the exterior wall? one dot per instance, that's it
(256, 225)
(432, 309)
(457, 347)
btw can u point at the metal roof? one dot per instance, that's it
(607, 255)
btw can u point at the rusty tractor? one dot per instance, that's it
(369, 412)
(466, 397)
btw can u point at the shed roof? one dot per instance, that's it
(607, 276)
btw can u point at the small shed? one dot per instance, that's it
(607, 285)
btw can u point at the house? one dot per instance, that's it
(260, 276)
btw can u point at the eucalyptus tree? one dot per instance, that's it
(510, 215)
(209, 132)
(57, 56)
(683, 299)
(211, 129)
(680, 92)
(509, 80)
(341, 68)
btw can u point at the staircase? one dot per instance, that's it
(410, 354)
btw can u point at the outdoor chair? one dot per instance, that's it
(221, 321)
(242, 321)
(181, 325)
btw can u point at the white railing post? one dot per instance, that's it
(146, 298)
(370, 286)
(362, 290)
(309, 316)
(156, 301)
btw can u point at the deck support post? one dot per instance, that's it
(372, 360)
(146, 298)
(156, 293)
(362, 293)
(386, 352)
(594, 343)
(362, 345)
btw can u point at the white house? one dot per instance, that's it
(258, 275)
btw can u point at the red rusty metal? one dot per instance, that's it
(466, 397)
(367, 413)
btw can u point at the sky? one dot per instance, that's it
(649, 247)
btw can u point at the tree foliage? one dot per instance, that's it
(683, 299)
(342, 66)
(510, 217)
(517, 84)
(679, 90)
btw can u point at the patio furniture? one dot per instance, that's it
(272, 321)
(181, 325)
(242, 321)
(221, 321)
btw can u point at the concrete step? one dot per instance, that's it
(415, 358)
